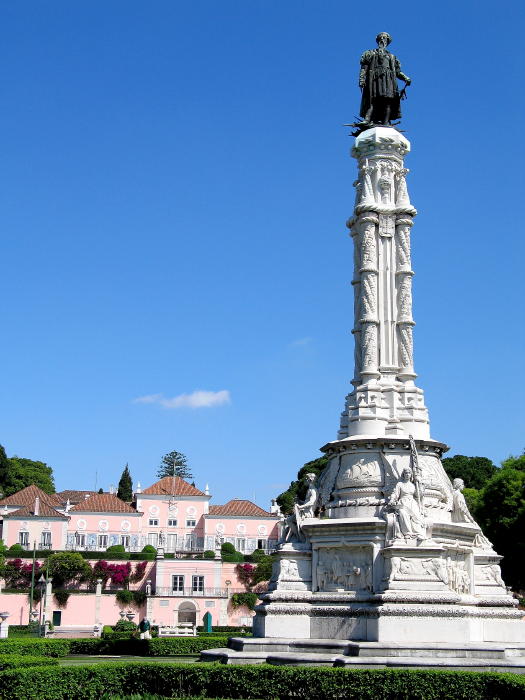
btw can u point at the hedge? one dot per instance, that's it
(35, 647)
(161, 646)
(20, 661)
(265, 681)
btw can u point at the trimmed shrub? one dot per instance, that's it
(17, 548)
(144, 556)
(149, 549)
(30, 630)
(35, 647)
(208, 554)
(20, 661)
(119, 548)
(227, 548)
(217, 680)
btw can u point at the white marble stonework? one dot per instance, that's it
(384, 549)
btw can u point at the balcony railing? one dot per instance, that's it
(191, 593)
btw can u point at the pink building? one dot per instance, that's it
(171, 514)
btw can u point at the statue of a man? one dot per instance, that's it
(380, 70)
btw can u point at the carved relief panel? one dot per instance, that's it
(359, 470)
(344, 569)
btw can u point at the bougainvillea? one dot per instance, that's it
(118, 574)
(138, 574)
(17, 573)
(245, 574)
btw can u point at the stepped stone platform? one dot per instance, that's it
(482, 656)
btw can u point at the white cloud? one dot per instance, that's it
(197, 399)
(300, 342)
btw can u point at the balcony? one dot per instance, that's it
(191, 593)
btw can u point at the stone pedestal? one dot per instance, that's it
(393, 556)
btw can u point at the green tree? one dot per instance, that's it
(475, 471)
(125, 485)
(4, 466)
(67, 567)
(24, 472)
(298, 488)
(174, 464)
(501, 515)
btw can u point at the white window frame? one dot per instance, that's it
(191, 522)
(23, 538)
(197, 583)
(264, 543)
(125, 540)
(102, 541)
(172, 522)
(45, 538)
(177, 583)
(80, 539)
(153, 522)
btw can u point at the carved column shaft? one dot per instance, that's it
(404, 275)
(368, 317)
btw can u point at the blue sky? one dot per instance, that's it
(175, 185)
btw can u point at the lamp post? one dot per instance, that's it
(41, 587)
(32, 583)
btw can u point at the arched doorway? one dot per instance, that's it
(188, 613)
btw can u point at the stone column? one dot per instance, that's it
(368, 319)
(405, 321)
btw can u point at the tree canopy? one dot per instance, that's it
(174, 464)
(475, 471)
(125, 485)
(18, 472)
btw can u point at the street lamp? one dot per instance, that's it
(41, 587)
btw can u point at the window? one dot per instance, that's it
(102, 541)
(23, 538)
(177, 583)
(172, 523)
(197, 584)
(153, 538)
(153, 521)
(45, 540)
(262, 544)
(80, 539)
(191, 523)
(124, 540)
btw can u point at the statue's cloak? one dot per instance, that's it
(380, 68)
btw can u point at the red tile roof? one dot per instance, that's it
(241, 507)
(102, 503)
(172, 486)
(73, 496)
(26, 500)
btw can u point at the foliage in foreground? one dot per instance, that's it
(162, 646)
(216, 680)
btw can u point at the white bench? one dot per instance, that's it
(184, 629)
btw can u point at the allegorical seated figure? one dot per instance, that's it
(380, 70)
(292, 523)
(461, 513)
(408, 519)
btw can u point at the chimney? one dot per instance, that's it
(86, 496)
(207, 490)
(37, 506)
(138, 488)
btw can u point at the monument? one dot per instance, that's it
(383, 555)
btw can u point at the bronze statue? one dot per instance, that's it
(380, 70)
